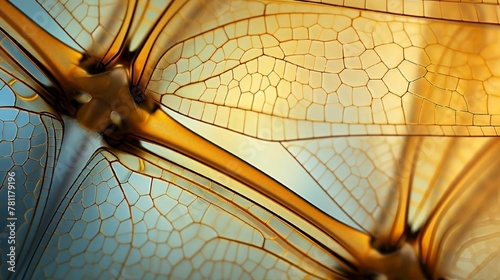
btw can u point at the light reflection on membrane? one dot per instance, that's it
(273, 159)
(244, 191)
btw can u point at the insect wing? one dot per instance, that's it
(31, 135)
(164, 221)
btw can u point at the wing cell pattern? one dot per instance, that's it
(486, 11)
(358, 173)
(93, 25)
(304, 74)
(30, 144)
(126, 223)
(193, 18)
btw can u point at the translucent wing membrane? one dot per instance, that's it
(456, 10)
(146, 14)
(93, 25)
(194, 18)
(164, 221)
(16, 64)
(471, 250)
(372, 101)
(342, 73)
(439, 162)
(358, 173)
(24, 78)
(30, 143)
(464, 244)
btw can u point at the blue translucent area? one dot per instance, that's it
(20, 158)
(8, 114)
(9, 131)
(20, 129)
(26, 131)
(112, 228)
(6, 164)
(7, 97)
(94, 236)
(33, 10)
(22, 120)
(6, 147)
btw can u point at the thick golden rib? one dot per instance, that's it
(434, 156)
(401, 196)
(358, 173)
(146, 14)
(121, 40)
(166, 206)
(161, 129)
(13, 70)
(140, 62)
(39, 43)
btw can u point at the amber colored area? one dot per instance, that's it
(417, 80)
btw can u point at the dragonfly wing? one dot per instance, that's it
(288, 72)
(440, 161)
(459, 239)
(306, 77)
(471, 250)
(30, 141)
(127, 217)
(92, 25)
(358, 173)
(483, 12)
(318, 71)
